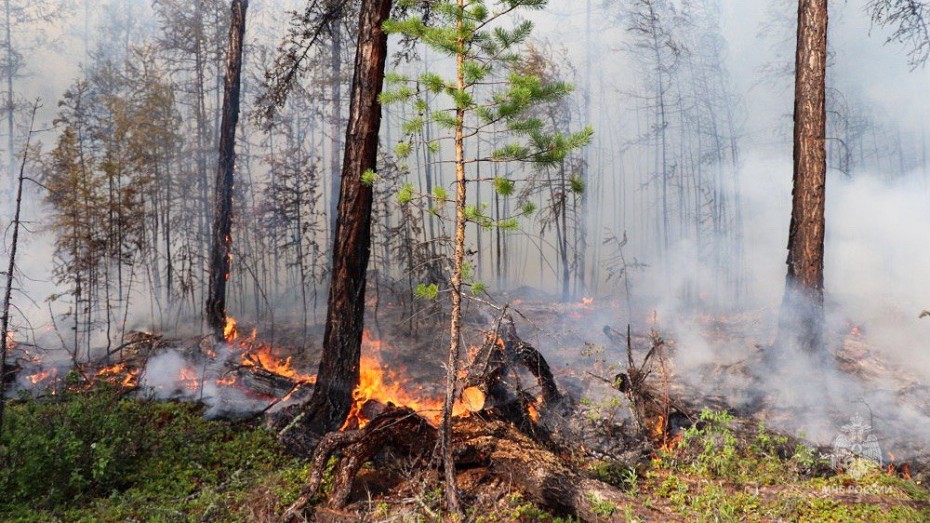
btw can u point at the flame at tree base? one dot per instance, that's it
(379, 383)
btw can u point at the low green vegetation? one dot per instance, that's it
(716, 474)
(98, 457)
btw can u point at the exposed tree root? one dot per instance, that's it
(509, 456)
(400, 430)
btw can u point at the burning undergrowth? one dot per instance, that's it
(619, 399)
(241, 377)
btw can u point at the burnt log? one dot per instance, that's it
(494, 372)
(508, 456)
(542, 476)
(260, 380)
(136, 348)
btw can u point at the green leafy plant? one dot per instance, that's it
(490, 96)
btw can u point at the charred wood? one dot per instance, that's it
(508, 455)
(493, 371)
(657, 411)
(398, 429)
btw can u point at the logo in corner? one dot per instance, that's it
(854, 446)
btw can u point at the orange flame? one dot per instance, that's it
(227, 381)
(39, 377)
(672, 444)
(230, 333)
(114, 372)
(379, 383)
(660, 434)
(658, 431)
(533, 412)
(188, 379)
(261, 356)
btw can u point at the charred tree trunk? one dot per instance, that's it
(7, 295)
(801, 325)
(220, 255)
(342, 342)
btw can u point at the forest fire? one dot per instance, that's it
(188, 379)
(533, 412)
(380, 384)
(119, 373)
(903, 470)
(261, 356)
(230, 331)
(39, 377)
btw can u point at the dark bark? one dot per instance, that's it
(801, 324)
(220, 253)
(339, 367)
(501, 354)
(11, 267)
(543, 477)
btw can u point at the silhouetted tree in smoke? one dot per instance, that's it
(801, 323)
(655, 47)
(220, 252)
(193, 38)
(20, 35)
(911, 22)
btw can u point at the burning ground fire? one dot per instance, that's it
(380, 384)
(225, 368)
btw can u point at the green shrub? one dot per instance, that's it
(96, 457)
(86, 444)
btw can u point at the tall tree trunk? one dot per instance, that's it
(336, 121)
(342, 341)
(220, 255)
(10, 102)
(458, 262)
(801, 324)
(11, 268)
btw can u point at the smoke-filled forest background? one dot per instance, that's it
(680, 202)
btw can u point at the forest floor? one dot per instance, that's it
(73, 463)
(103, 455)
